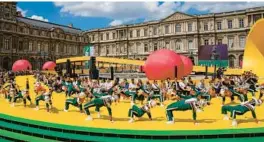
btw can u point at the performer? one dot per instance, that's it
(184, 105)
(23, 95)
(45, 96)
(203, 91)
(156, 93)
(77, 101)
(136, 111)
(241, 109)
(252, 81)
(98, 103)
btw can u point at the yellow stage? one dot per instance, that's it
(211, 118)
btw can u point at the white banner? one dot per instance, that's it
(92, 51)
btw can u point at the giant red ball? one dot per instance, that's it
(188, 65)
(21, 65)
(49, 66)
(161, 65)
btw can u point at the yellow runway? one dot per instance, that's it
(211, 118)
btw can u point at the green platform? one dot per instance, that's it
(30, 130)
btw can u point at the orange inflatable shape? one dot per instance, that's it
(254, 50)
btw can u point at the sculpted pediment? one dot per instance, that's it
(178, 16)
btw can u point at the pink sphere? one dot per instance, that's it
(21, 65)
(161, 65)
(49, 66)
(188, 65)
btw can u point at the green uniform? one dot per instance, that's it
(99, 95)
(156, 93)
(73, 102)
(98, 103)
(182, 105)
(46, 98)
(139, 112)
(239, 109)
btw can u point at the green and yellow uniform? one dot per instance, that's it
(77, 101)
(183, 105)
(98, 103)
(139, 112)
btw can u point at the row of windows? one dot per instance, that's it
(230, 42)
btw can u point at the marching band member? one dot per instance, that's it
(193, 104)
(98, 103)
(241, 109)
(136, 111)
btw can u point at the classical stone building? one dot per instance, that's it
(35, 40)
(180, 32)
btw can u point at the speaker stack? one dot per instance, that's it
(68, 68)
(112, 73)
(93, 72)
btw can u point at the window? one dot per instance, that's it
(146, 47)
(46, 46)
(166, 29)
(230, 42)
(189, 27)
(206, 42)
(114, 35)
(38, 47)
(6, 44)
(178, 45)
(107, 36)
(137, 50)
(113, 49)
(102, 37)
(242, 41)
(131, 33)
(219, 41)
(241, 23)
(178, 28)
(205, 26)
(107, 49)
(155, 31)
(145, 32)
(121, 34)
(1, 41)
(256, 17)
(230, 26)
(138, 33)
(155, 46)
(20, 45)
(219, 25)
(190, 44)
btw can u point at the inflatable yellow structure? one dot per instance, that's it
(254, 50)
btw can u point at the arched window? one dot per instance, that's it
(241, 61)
(178, 45)
(231, 59)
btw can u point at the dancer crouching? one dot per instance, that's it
(98, 103)
(135, 111)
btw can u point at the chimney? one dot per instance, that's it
(70, 25)
(19, 14)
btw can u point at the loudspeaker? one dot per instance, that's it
(68, 67)
(112, 73)
(176, 71)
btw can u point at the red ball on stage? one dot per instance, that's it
(161, 65)
(21, 65)
(188, 65)
(49, 66)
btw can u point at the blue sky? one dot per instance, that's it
(90, 15)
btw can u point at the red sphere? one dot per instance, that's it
(21, 65)
(49, 66)
(161, 65)
(188, 65)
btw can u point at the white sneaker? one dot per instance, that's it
(37, 108)
(131, 120)
(13, 105)
(234, 123)
(196, 123)
(112, 121)
(65, 110)
(162, 105)
(226, 117)
(89, 118)
(169, 122)
(198, 110)
(132, 103)
(98, 115)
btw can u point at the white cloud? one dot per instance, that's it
(116, 22)
(122, 12)
(23, 12)
(215, 7)
(36, 17)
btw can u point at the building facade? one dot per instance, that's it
(180, 32)
(36, 41)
